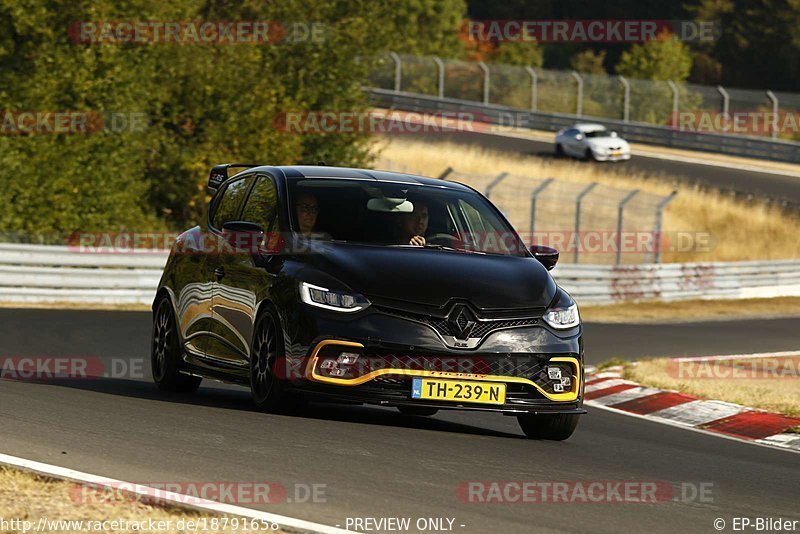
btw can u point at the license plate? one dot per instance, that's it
(616, 152)
(458, 391)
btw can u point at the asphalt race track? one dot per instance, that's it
(375, 462)
(776, 186)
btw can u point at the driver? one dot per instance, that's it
(307, 210)
(414, 225)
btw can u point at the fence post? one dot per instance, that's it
(659, 221)
(620, 212)
(674, 87)
(626, 99)
(445, 174)
(486, 75)
(579, 105)
(774, 100)
(578, 200)
(500, 177)
(534, 88)
(398, 71)
(440, 85)
(534, 194)
(726, 102)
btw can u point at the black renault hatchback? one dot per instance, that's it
(368, 287)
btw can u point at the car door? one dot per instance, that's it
(242, 278)
(228, 209)
(574, 143)
(192, 286)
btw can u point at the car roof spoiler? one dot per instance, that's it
(219, 174)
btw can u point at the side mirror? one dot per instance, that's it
(243, 235)
(614, 134)
(547, 256)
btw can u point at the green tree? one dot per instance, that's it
(758, 45)
(204, 104)
(522, 53)
(589, 61)
(663, 59)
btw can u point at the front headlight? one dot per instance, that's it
(340, 301)
(563, 318)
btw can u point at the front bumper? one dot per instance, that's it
(517, 357)
(625, 156)
(384, 377)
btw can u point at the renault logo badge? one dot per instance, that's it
(461, 322)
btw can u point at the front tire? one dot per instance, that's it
(268, 391)
(589, 155)
(559, 150)
(556, 427)
(166, 355)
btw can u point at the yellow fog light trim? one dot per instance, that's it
(311, 373)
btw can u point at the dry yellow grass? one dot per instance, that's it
(770, 384)
(692, 310)
(28, 497)
(739, 230)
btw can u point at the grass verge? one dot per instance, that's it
(692, 310)
(766, 383)
(29, 497)
(739, 230)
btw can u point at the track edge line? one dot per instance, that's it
(198, 504)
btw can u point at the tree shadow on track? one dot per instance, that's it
(225, 397)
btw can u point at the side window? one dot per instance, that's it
(474, 219)
(262, 204)
(572, 132)
(483, 233)
(228, 207)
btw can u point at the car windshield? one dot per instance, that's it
(598, 133)
(399, 214)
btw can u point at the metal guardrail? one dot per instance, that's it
(735, 145)
(680, 281)
(52, 274)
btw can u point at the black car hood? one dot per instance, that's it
(433, 277)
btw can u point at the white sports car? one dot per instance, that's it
(592, 141)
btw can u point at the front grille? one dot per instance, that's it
(524, 365)
(482, 327)
(530, 366)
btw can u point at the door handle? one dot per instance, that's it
(219, 272)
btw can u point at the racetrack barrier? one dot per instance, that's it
(60, 274)
(507, 116)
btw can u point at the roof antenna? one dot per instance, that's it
(321, 163)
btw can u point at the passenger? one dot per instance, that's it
(307, 208)
(414, 225)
